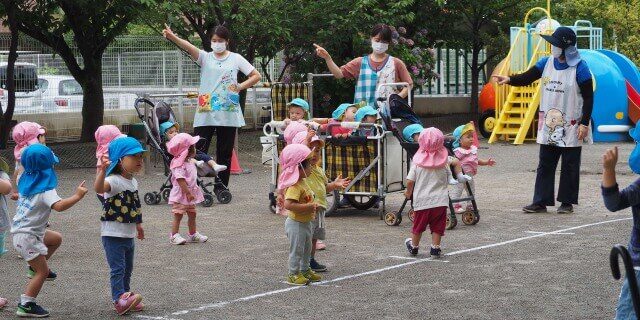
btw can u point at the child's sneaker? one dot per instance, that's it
(31, 310)
(458, 209)
(50, 277)
(219, 168)
(138, 308)
(200, 164)
(297, 280)
(126, 302)
(312, 276)
(197, 238)
(315, 266)
(436, 253)
(412, 250)
(177, 239)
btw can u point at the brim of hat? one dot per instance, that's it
(317, 141)
(431, 160)
(572, 56)
(42, 130)
(553, 41)
(288, 178)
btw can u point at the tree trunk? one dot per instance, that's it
(7, 115)
(93, 99)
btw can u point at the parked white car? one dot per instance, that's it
(28, 95)
(64, 94)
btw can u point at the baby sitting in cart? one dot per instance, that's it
(203, 161)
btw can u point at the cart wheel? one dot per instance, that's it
(451, 222)
(391, 218)
(333, 198)
(476, 218)
(158, 197)
(362, 202)
(150, 198)
(411, 214)
(208, 200)
(165, 194)
(224, 196)
(468, 217)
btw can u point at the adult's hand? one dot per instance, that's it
(502, 79)
(582, 132)
(321, 52)
(168, 33)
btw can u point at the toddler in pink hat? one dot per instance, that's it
(185, 193)
(427, 185)
(24, 134)
(104, 135)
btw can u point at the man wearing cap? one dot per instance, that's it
(566, 102)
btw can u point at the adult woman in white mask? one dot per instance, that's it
(566, 102)
(218, 100)
(373, 69)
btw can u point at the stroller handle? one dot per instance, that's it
(620, 250)
(394, 84)
(356, 125)
(189, 95)
(272, 127)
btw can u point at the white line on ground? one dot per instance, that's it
(539, 232)
(412, 258)
(376, 271)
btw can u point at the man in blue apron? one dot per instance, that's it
(566, 102)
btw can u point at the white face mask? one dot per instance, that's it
(379, 47)
(219, 47)
(556, 52)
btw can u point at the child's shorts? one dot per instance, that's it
(178, 208)
(317, 225)
(29, 246)
(435, 218)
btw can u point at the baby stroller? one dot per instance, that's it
(152, 115)
(620, 250)
(396, 115)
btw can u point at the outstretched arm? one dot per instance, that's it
(185, 45)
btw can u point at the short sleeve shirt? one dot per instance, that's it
(300, 193)
(351, 70)
(189, 173)
(32, 213)
(218, 105)
(121, 209)
(430, 188)
(317, 182)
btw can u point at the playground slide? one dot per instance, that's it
(634, 103)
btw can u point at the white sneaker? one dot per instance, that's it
(197, 238)
(200, 164)
(453, 181)
(219, 168)
(177, 239)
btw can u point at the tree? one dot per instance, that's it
(7, 115)
(91, 26)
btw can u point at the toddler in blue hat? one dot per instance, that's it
(31, 238)
(345, 112)
(121, 219)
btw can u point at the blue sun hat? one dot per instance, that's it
(410, 130)
(120, 148)
(365, 111)
(299, 102)
(166, 126)
(461, 131)
(339, 111)
(38, 161)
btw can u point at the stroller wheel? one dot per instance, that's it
(158, 197)
(392, 218)
(476, 217)
(150, 198)
(452, 222)
(468, 217)
(208, 200)
(411, 214)
(165, 194)
(224, 196)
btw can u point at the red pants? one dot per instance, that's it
(435, 218)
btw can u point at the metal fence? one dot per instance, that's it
(454, 73)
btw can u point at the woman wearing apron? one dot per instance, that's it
(373, 69)
(566, 103)
(218, 100)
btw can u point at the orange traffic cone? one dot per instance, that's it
(235, 164)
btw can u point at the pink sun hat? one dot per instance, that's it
(431, 153)
(25, 134)
(292, 129)
(104, 135)
(290, 157)
(178, 147)
(301, 136)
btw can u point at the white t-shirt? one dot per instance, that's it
(430, 188)
(217, 105)
(114, 228)
(32, 213)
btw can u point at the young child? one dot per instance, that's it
(467, 153)
(299, 201)
(185, 193)
(427, 185)
(298, 110)
(366, 114)
(169, 130)
(5, 223)
(411, 132)
(320, 186)
(345, 112)
(33, 241)
(24, 134)
(104, 135)
(121, 219)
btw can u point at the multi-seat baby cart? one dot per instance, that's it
(152, 115)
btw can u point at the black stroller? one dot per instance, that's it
(396, 116)
(152, 116)
(620, 250)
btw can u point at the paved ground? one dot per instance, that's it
(509, 266)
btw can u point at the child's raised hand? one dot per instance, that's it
(340, 182)
(81, 190)
(105, 163)
(491, 162)
(610, 158)
(140, 231)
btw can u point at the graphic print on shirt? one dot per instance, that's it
(554, 120)
(224, 96)
(123, 207)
